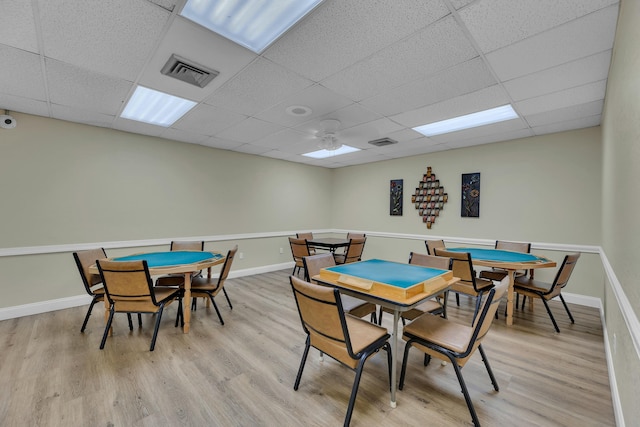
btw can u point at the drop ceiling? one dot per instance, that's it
(380, 68)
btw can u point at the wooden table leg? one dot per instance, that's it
(510, 297)
(186, 303)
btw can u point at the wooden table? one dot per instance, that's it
(173, 262)
(508, 261)
(397, 286)
(330, 243)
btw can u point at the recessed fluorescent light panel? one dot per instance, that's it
(481, 118)
(254, 24)
(158, 108)
(323, 154)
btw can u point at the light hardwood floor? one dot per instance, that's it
(242, 373)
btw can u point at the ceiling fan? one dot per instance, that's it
(328, 139)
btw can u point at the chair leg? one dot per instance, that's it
(227, 297)
(354, 390)
(140, 320)
(524, 298)
(106, 329)
(86, 317)
(217, 311)
(566, 307)
(374, 318)
(180, 315)
(155, 330)
(130, 322)
(458, 299)
(380, 316)
(489, 370)
(553, 320)
(302, 362)
(465, 392)
(427, 359)
(404, 365)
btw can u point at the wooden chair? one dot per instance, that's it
(307, 236)
(529, 287)
(351, 305)
(129, 289)
(353, 252)
(92, 282)
(497, 274)
(454, 342)
(432, 244)
(437, 305)
(462, 267)
(350, 236)
(210, 287)
(299, 250)
(347, 339)
(178, 279)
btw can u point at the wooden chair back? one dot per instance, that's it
(314, 263)
(84, 260)
(128, 286)
(431, 261)
(355, 250)
(433, 244)
(187, 246)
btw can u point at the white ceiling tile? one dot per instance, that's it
(21, 74)
(24, 105)
(487, 139)
(208, 120)
(579, 38)
(17, 25)
(565, 98)
(284, 138)
(259, 86)
(484, 99)
(137, 127)
(276, 154)
(349, 31)
(437, 47)
(498, 23)
(98, 34)
(580, 123)
(571, 113)
(320, 99)
(87, 117)
(349, 116)
(467, 77)
(183, 135)
(251, 149)
(73, 86)
(576, 73)
(249, 130)
(223, 144)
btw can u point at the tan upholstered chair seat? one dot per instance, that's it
(427, 306)
(440, 331)
(467, 287)
(535, 285)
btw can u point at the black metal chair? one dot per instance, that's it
(92, 282)
(530, 287)
(347, 339)
(454, 342)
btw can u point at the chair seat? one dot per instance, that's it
(363, 333)
(467, 287)
(429, 306)
(498, 274)
(532, 285)
(440, 331)
(204, 284)
(356, 306)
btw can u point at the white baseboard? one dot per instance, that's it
(80, 300)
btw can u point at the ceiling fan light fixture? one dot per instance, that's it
(329, 142)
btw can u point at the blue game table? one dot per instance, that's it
(509, 261)
(173, 262)
(394, 285)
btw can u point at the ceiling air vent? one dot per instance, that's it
(382, 142)
(187, 71)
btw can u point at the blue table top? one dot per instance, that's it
(171, 258)
(497, 255)
(391, 273)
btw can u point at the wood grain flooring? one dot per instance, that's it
(242, 373)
